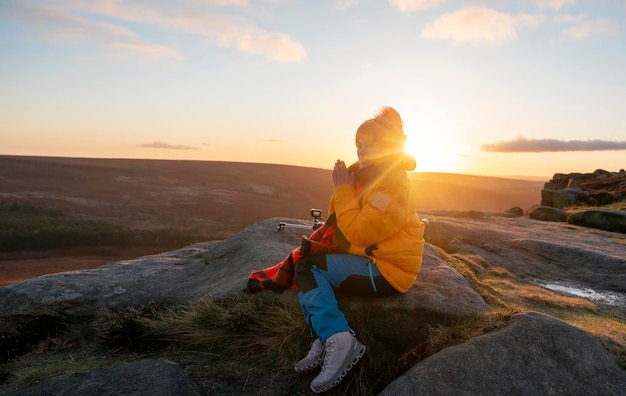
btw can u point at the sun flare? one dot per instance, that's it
(432, 139)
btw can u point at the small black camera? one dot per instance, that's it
(316, 214)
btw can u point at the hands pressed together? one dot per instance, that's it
(341, 174)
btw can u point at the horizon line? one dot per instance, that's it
(266, 163)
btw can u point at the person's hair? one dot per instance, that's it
(386, 128)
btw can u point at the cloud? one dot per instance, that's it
(344, 4)
(153, 51)
(278, 47)
(226, 3)
(478, 25)
(553, 4)
(225, 30)
(73, 21)
(414, 5)
(167, 146)
(232, 31)
(523, 145)
(587, 29)
(568, 18)
(61, 27)
(55, 25)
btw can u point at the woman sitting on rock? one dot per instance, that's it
(376, 218)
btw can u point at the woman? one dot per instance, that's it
(376, 218)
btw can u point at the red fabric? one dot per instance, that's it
(280, 277)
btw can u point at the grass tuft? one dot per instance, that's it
(461, 330)
(248, 327)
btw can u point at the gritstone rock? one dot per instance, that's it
(534, 355)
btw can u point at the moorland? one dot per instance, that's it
(61, 214)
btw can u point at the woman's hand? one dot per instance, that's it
(341, 174)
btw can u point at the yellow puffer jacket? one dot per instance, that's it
(377, 216)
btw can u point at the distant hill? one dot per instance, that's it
(451, 191)
(227, 195)
(207, 199)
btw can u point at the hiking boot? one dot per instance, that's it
(341, 352)
(313, 358)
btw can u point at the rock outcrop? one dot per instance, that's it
(211, 269)
(585, 199)
(594, 189)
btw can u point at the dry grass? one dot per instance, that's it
(249, 327)
(504, 291)
(268, 331)
(612, 206)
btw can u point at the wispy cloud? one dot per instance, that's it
(57, 25)
(414, 5)
(344, 4)
(152, 51)
(221, 29)
(588, 28)
(226, 3)
(523, 145)
(167, 146)
(277, 46)
(554, 4)
(581, 28)
(60, 26)
(479, 25)
(568, 18)
(71, 21)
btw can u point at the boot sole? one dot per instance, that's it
(355, 359)
(314, 364)
(308, 368)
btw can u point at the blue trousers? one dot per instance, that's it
(319, 276)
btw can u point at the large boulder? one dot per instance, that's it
(534, 355)
(439, 295)
(603, 219)
(547, 213)
(515, 210)
(562, 198)
(212, 269)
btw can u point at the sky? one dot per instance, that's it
(496, 88)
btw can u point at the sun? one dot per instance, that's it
(432, 140)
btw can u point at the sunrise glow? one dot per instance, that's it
(432, 139)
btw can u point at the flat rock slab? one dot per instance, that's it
(144, 378)
(211, 269)
(539, 252)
